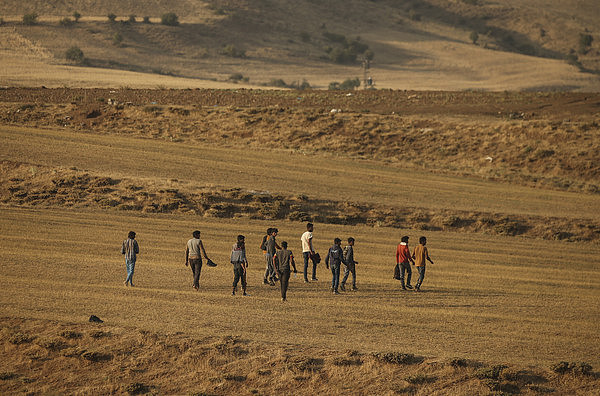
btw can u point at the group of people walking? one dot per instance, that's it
(280, 261)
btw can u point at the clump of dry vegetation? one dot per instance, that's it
(24, 185)
(161, 363)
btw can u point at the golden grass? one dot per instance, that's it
(324, 177)
(487, 298)
(434, 53)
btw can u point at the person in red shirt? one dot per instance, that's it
(403, 260)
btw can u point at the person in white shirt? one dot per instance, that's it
(308, 251)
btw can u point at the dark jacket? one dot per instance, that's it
(335, 256)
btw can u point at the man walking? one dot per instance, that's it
(272, 246)
(284, 257)
(308, 251)
(193, 257)
(403, 260)
(334, 259)
(130, 249)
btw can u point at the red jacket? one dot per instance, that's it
(402, 254)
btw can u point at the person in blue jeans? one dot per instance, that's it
(130, 249)
(334, 259)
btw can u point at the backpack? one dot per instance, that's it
(263, 245)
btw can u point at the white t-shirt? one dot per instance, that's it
(305, 238)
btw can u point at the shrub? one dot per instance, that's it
(77, 16)
(582, 368)
(70, 334)
(30, 19)
(414, 15)
(348, 84)
(51, 344)
(20, 338)
(585, 41)
(146, 19)
(235, 77)
(233, 51)
(277, 82)
(1, 21)
(169, 19)
(117, 39)
(490, 372)
(419, 379)
(349, 50)
(131, 19)
(74, 54)
(395, 357)
(334, 37)
(66, 21)
(305, 37)
(137, 388)
(111, 17)
(474, 36)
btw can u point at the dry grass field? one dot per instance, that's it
(418, 45)
(482, 134)
(70, 194)
(487, 299)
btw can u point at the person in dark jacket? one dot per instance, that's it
(333, 260)
(240, 264)
(350, 265)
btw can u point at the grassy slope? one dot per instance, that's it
(203, 165)
(477, 280)
(429, 54)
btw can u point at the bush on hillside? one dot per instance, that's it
(474, 36)
(30, 19)
(305, 37)
(117, 39)
(237, 77)
(146, 19)
(66, 21)
(233, 51)
(169, 19)
(1, 21)
(111, 17)
(585, 42)
(74, 54)
(76, 16)
(347, 50)
(277, 82)
(131, 19)
(348, 84)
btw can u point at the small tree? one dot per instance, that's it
(169, 19)
(75, 54)
(30, 19)
(147, 19)
(77, 16)
(131, 19)
(474, 36)
(111, 17)
(350, 83)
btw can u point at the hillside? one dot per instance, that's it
(416, 44)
